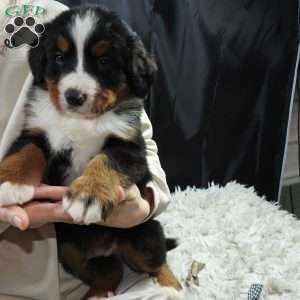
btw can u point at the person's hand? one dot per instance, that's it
(37, 212)
(132, 209)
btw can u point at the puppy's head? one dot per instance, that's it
(90, 60)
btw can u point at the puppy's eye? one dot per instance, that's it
(59, 58)
(104, 60)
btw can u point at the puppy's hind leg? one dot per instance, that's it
(145, 251)
(105, 274)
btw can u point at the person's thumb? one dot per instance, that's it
(15, 216)
(133, 193)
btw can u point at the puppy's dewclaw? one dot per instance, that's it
(11, 193)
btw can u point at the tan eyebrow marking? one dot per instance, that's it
(101, 48)
(62, 43)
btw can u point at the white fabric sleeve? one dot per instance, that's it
(15, 70)
(158, 184)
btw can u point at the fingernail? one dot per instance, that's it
(121, 194)
(17, 222)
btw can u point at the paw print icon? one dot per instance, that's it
(23, 32)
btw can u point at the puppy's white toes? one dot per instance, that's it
(12, 193)
(93, 213)
(66, 202)
(75, 207)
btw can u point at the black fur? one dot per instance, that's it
(57, 167)
(141, 68)
(127, 61)
(25, 138)
(129, 158)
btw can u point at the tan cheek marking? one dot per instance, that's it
(62, 44)
(24, 167)
(107, 99)
(104, 101)
(54, 93)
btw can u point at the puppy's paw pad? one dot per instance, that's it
(12, 193)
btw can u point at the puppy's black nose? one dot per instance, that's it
(74, 97)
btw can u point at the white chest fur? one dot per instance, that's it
(85, 137)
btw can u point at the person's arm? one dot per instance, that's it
(158, 186)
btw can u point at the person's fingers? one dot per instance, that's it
(15, 216)
(60, 215)
(132, 193)
(54, 193)
(46, 212)
(121, 194)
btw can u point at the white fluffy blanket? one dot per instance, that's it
(242, 240)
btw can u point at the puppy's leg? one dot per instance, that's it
(19, 173)
(144, 250)
(107, 275)
(141, 262)
(166, 278)
(102, 274)
(93, 195)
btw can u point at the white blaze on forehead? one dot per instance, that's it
(81, 29)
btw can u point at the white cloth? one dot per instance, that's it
(28, 260)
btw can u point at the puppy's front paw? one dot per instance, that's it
(88, 201)
(13, 193)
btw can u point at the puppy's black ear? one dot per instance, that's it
(38, 61)
(142, 68)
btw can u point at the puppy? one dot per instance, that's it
(82, 129)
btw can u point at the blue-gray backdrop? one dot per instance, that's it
(221, 99)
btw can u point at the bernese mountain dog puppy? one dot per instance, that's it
(82, 128)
